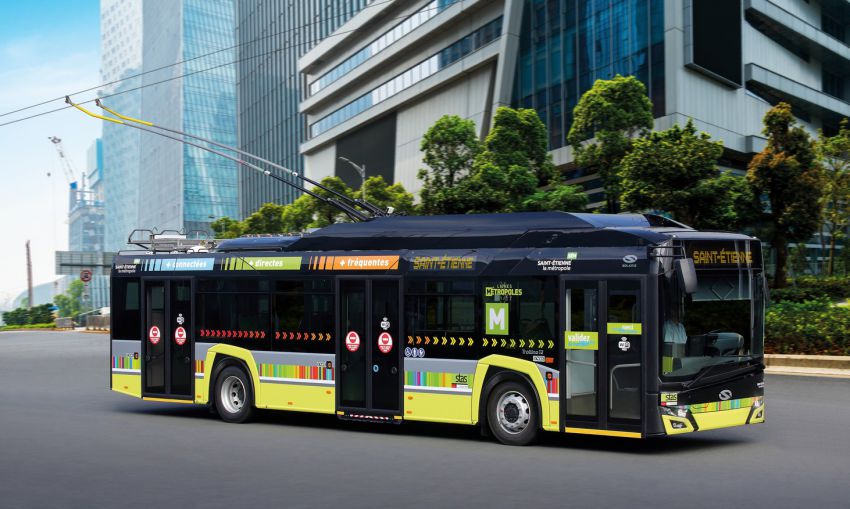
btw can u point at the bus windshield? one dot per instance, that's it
(721, 323)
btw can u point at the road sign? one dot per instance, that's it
(385, 342)
(180, 336)
(352, 341)
(153, 335)
(85, 275)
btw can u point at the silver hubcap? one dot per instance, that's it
(232, 394)
(514, 412)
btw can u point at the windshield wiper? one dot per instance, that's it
(708, 369)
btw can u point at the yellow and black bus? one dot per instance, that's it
(626, 325)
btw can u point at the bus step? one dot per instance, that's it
(375, 418)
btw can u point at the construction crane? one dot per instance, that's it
(67, 166)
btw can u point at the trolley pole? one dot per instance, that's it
(361, 170)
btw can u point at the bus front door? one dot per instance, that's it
(603, 329)
(168, 370)
(368, 353)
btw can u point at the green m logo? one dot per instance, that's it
(497, 316)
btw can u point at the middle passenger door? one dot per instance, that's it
(368, 355)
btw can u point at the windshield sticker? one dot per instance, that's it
(625, 328)
(443, 263)
(581, 340)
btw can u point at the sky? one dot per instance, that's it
(48, 48)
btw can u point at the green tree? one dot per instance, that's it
(227, 228)
(515, 162)
(386, 196)
(675, 171)
(70, 303)
(268, 219)
(606, 120)
(787, 173)
(559, 197)
(834, 153)
(449, 148)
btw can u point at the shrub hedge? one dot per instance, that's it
(813, 327)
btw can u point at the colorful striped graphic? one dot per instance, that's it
(427, 379)
(262, 263)
(127, 362)
(199, 367)
(295, 372)
(717, 406)
(353, 262)
(552, 386)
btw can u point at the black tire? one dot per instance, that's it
(520, 424)
(234, 395)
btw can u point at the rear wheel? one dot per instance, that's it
(234, 398)
(512, 414)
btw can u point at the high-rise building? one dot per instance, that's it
(121, 57)
(271, 37)
(183, 187)
(396, 67)
(85, 206)
(151, 182)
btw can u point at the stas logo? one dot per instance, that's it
(461, 379)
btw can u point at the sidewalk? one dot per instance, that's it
(808, 365)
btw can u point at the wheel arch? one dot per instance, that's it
(220, 357)
(495, 369)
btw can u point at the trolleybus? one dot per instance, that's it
(627, 325)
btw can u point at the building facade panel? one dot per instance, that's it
(271, 35)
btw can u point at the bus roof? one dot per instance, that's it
(471, 231)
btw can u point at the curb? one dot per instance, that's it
(808, 365)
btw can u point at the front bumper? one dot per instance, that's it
(679, 419)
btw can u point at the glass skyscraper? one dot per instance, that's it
(183, 187)
(152, 182)
(566, 45)
(271, 36)
(121, 57)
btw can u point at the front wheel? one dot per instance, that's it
(233, 395)
(512, 414)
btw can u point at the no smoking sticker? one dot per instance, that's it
(180, 336)
(385, 342)
(153, 335)
(352, 341)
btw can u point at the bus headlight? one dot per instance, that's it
(758, 402)
(681, 411)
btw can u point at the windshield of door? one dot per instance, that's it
(722, 322)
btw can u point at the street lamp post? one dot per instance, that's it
(361, 170)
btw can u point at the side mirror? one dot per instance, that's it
(687, 275)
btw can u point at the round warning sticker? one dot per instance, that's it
(385, 342)
(153, 335)
(180, 336)
(352, 341)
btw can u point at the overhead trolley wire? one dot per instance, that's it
(252, 41)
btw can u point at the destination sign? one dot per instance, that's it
(722, 254)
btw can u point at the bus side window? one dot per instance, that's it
(126, 309)
(235, 318)
(302, 316)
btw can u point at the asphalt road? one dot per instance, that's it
(66, 441)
